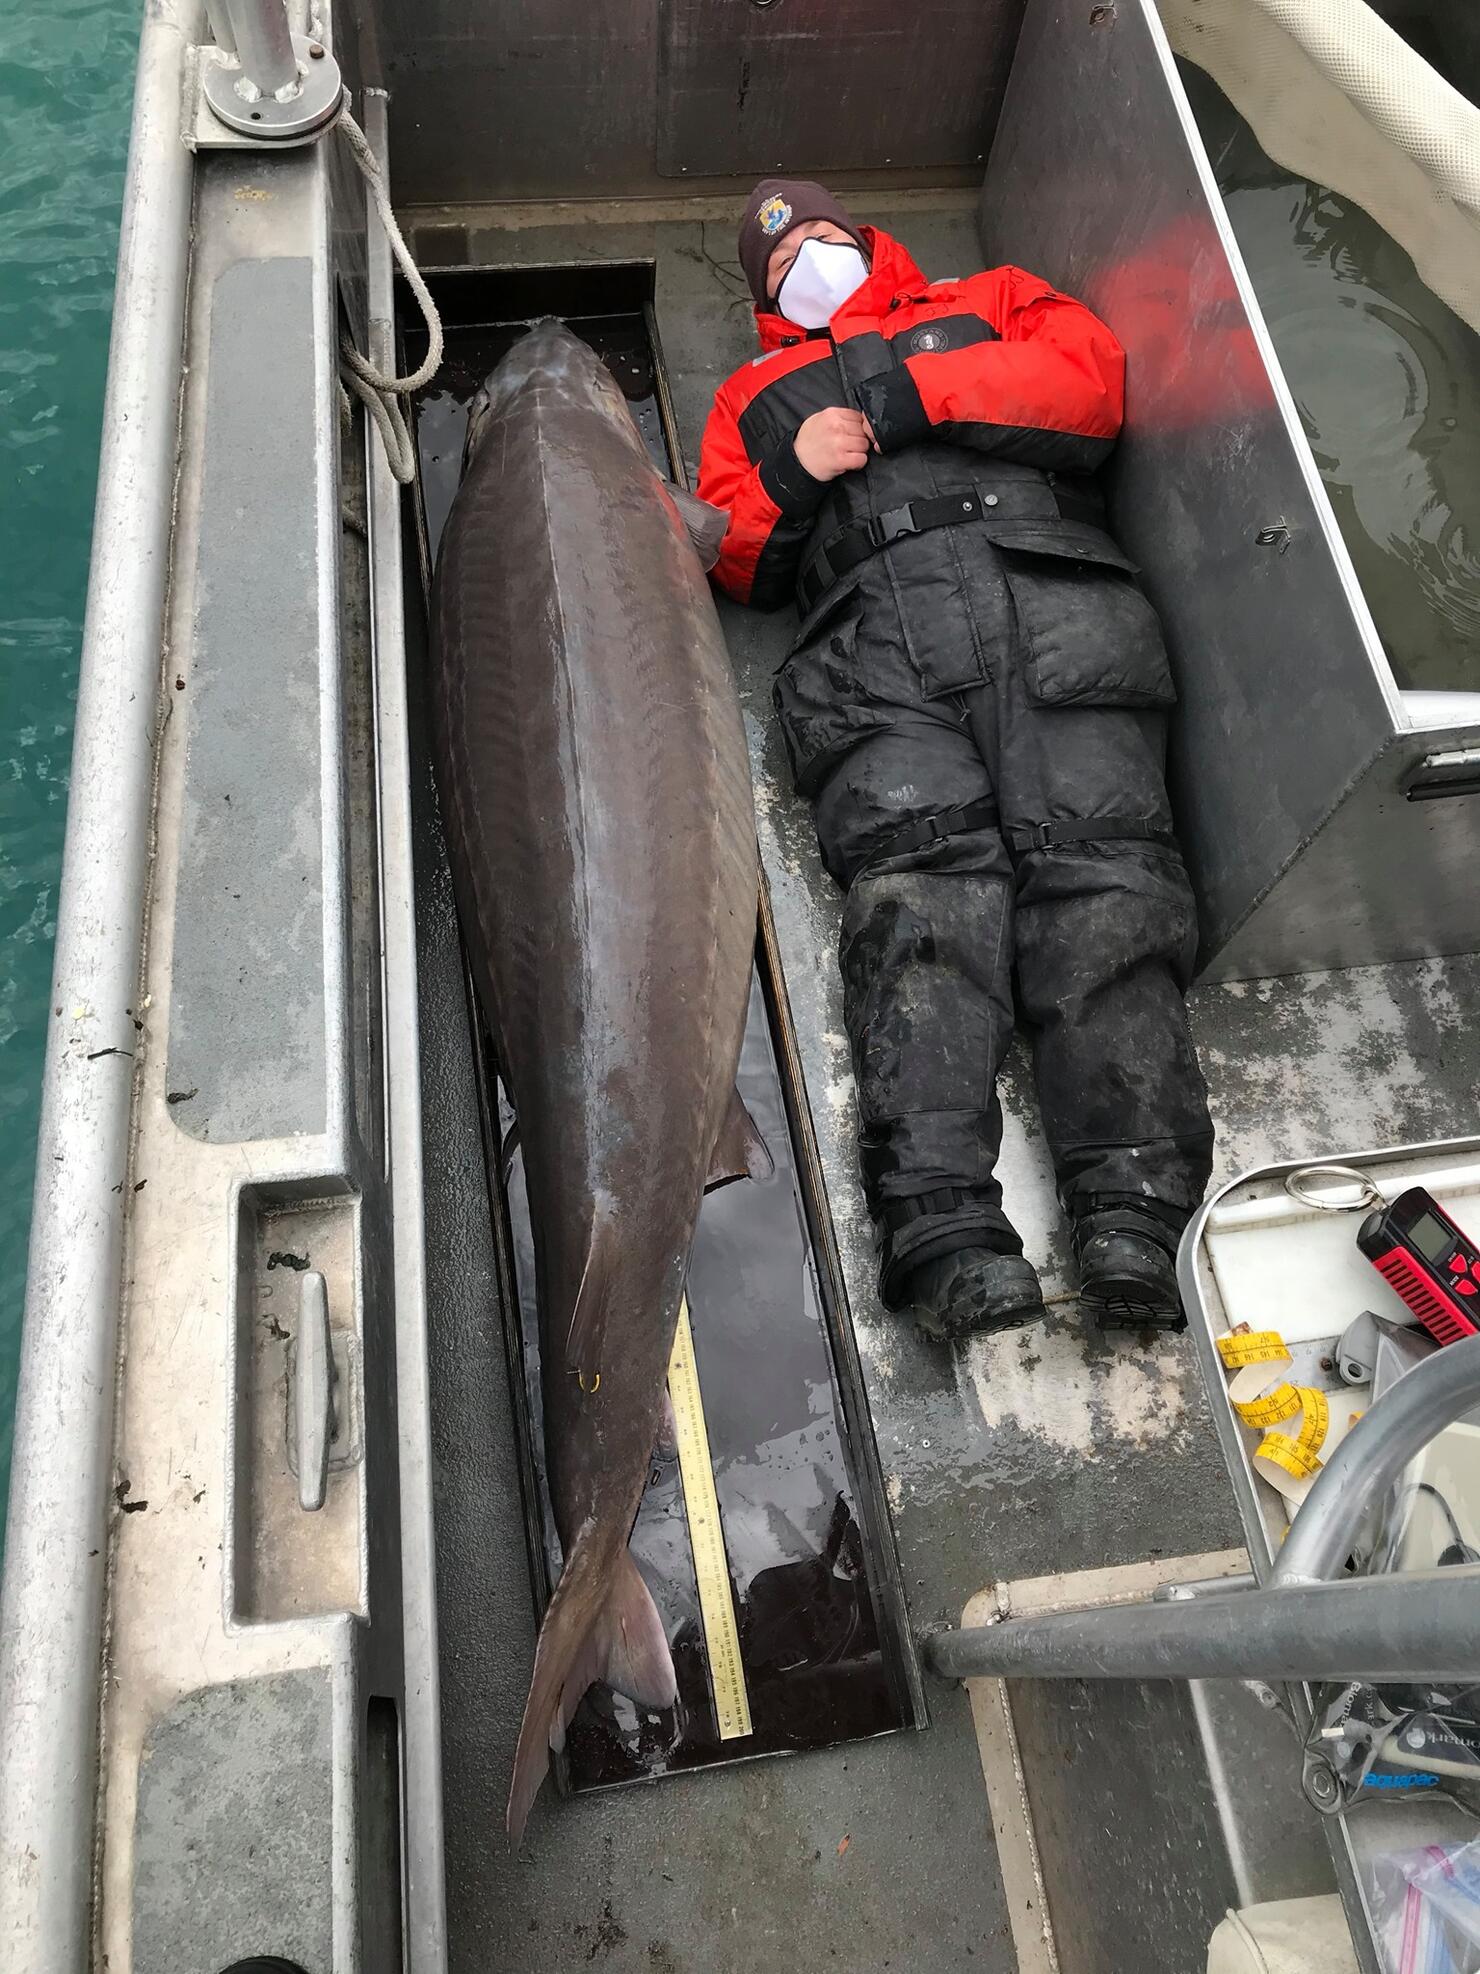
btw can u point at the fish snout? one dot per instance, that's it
(551, 357)
(540, 355)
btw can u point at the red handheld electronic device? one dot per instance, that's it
(1417, 1249)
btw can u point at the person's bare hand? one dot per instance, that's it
(834, 441)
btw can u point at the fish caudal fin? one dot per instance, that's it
(626, 1649)
(739, 1150)
(602, 1625)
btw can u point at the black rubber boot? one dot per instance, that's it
(1127, 1270)
(973, 1292)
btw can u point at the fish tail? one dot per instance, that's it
(602, 1624)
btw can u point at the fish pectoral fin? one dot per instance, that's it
(739, 1150)
(584, 1338)
(706, 526)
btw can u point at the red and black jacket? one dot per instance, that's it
(998, 365)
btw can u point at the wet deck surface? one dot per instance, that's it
(1049, 1450)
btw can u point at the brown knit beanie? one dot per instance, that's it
(774, 208)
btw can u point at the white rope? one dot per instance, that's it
(381, 395)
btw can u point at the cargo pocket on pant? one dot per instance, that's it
(1088, 634)
(820, 703)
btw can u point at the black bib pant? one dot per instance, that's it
(988, 787)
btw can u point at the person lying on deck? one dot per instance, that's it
(976, 709)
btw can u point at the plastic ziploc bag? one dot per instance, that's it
(1426, 1909)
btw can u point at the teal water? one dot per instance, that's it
(66, 84)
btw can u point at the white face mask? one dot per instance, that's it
(821, 278)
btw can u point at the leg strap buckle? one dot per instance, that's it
(1048, 836)
(935, 829)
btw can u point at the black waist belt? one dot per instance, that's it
(861, 539)
(982, 814)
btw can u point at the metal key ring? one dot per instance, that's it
(1298, 1184)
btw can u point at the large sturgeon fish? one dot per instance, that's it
(596, 792)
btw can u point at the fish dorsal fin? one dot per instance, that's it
(705, 525)
(587, 1330)
(739, 1150)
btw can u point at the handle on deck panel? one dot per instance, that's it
(313, 1391)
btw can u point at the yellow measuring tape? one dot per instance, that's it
(707, 1538)
(1281, 1403)
(1241, 1347)
(1254, 1358)
(1299, 1454)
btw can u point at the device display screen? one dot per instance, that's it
(1430, 1236)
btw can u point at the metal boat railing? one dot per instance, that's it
(224, 216)
(56, 1541)
(1306, 1622)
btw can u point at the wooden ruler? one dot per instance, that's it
(707, 1538)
